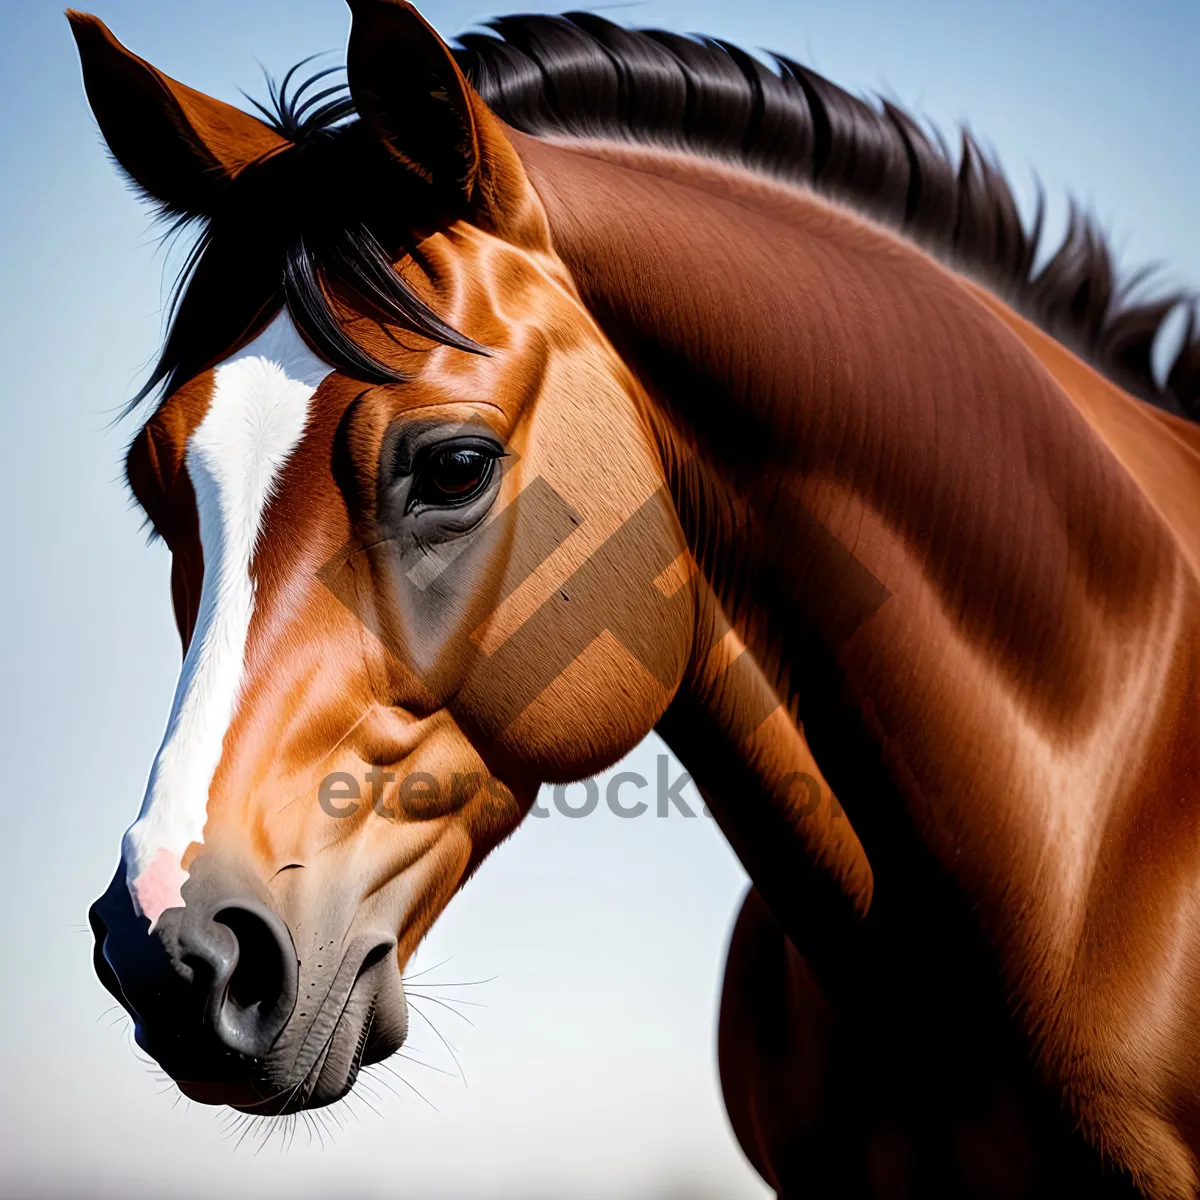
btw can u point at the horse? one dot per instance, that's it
(525, 396)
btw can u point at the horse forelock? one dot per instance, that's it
(315, 229)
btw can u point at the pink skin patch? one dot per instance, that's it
(159, 886)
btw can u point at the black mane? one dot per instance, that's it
(582, 76)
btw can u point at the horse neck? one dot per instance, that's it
(856, 394)
(812, 359)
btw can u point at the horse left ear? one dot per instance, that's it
(180, 146)
(409, 90)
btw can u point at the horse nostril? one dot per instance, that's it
(258, 977)
(249, 973)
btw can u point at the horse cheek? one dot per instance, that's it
(606, 699)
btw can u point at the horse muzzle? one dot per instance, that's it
(223, 1001)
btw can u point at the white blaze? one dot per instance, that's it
(255, 420)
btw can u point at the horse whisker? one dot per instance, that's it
(459, 983)
(418, 974)
(412, 1087)
(418, 1062)
(423, 995)
(448, 1008)
(441, 1038)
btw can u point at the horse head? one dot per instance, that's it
(422, 558)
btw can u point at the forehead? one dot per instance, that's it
(256, 414)
(246, 388)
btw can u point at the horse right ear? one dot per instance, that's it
(178, 145)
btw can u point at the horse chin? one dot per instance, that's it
(371, 1026)
(263, 1088)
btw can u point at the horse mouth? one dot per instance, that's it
(262, 1088)
(314, 1064)
(329, 1079)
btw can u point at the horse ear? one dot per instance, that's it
(179, 145)
(410, 92)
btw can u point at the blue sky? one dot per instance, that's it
(591, 1068)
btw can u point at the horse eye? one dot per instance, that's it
(452, 477)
